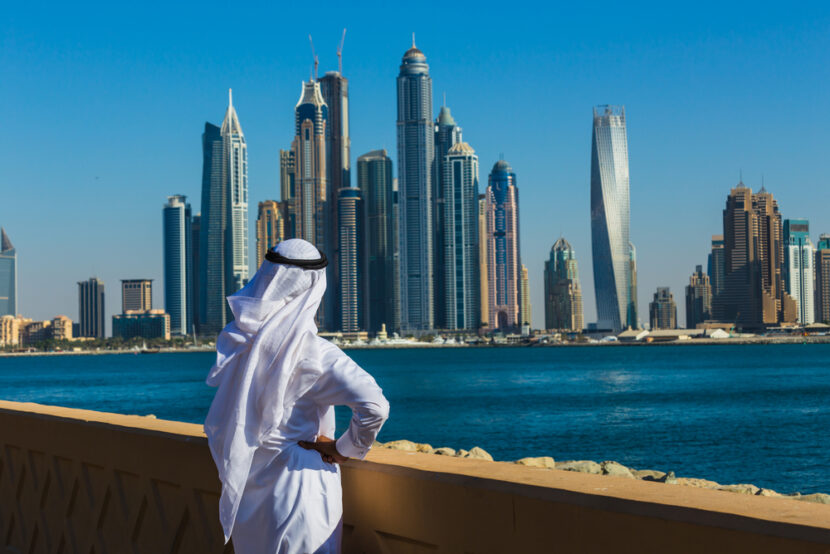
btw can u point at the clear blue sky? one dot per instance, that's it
(104, 106)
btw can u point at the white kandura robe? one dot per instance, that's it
(277, 383)
(293, 501)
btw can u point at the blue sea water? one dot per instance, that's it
(735, 414)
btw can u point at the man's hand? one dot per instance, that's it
(327, 449)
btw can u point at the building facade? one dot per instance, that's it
(195, 273)
(178, 268)
(91, 308)
(351, 266)
(8, 275)
(270, 228)
(753, 295)
(235, 156)
(563, 293)
(822, 266)
(525, 313)
(151, 324)
(799, 256)
(663, 310)
(716, 266)
(446, 135)
(223, 242)
(288, 173)
(416, 153)
(136, 294)
(698, 298)
(483, 273)
(611, 247)
(375, 181)
(459, 300)
(503, 252)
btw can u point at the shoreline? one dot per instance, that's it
(738, 341)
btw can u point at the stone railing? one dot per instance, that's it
(75, 481)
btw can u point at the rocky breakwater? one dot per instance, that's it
(604, 468)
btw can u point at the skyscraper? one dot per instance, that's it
(195, 274)
(459, 304)
(223, 242)
(288, 191)
(483, 287)
(663, 310)
(698, 298)
(611, 247)
(563, 293)
(314, 201)
(415, 158)
(822, 265)
(374, 179)
(8, 275)
(270, 229)
(91, 308)
(503, 254)
(235, 154)
(633, 320)
(214, 219)
(447, 134)
(351, 267)
(178, 268)
(753, 294)
(525, 315)
(136, 295)
(717, 265)
(798, 267)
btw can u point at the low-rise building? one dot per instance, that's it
(147, 324)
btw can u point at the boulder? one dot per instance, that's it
(405, 445)
(742, 488)
(543, 461)
(461, 453)
(699, 483)
(767, 492)
(582, 466)
(616, 469)
(444, 451)
(649, 474)
(477, 454)
(669, 478)
(818, 497)
(423, 447)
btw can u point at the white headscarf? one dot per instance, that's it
(258, 368)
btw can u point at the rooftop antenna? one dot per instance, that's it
(445, 99)
(230, 97)
(340, 52)
(313, 55)
(413, 40)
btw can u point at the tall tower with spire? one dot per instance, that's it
(8, 275)
(223, 242)
(416, 152)
(235, 154)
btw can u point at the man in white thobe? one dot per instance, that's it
(270, 421)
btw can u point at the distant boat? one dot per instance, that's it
(145, 350)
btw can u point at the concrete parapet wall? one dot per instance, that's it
(75, 481)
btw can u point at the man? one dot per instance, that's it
(270, 421)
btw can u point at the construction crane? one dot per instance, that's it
(313, 55)
(340, 53)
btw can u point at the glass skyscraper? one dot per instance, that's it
(415, 158)
(459, 307)
(503, 255)
(178, 294)
(374, 178)
(447, 134)
(350, 263)
(91, 308)
(8, 275)
(235, 155)
(799, 256)
(611, 248)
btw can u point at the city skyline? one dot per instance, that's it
(557, 188)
